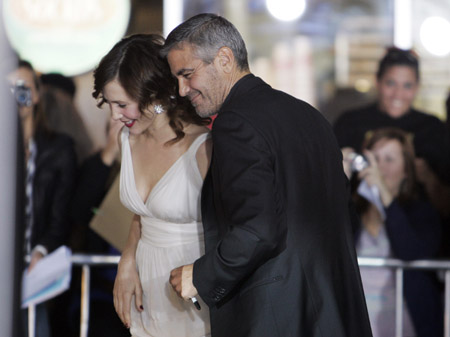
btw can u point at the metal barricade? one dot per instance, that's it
(87, 261)
(399, 267)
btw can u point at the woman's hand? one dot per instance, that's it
(126, 285)
(373, 177)
(35, 257)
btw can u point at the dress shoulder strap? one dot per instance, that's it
(197, 142)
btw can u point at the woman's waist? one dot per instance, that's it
(163, 233)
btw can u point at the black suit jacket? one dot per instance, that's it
(280, 259)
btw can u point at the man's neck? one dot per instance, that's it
(233, 79)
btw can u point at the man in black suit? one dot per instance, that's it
(280, 259)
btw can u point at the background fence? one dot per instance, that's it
(86, 262)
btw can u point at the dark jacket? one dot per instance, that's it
(53, 185)
(280, 257)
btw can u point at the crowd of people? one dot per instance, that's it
(247, 226)
(60, 190)
(401, 196)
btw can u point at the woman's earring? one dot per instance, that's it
(158, 109)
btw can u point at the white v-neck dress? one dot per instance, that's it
(171, 236)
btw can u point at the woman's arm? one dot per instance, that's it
(127, 281)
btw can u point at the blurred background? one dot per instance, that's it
(322, 51)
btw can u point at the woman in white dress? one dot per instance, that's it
(166, 151)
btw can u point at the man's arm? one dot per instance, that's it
(252, 208)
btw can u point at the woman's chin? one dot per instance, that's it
(396, 113)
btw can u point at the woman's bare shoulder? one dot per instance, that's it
(196, 130)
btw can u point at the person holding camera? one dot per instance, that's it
(396, 221)
(397, 84)
(49, 179)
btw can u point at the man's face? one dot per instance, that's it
(203, 84)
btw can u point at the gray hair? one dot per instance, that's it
(208, 33)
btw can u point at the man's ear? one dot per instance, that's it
(225, 59)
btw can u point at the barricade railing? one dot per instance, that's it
(400, 266)
(87, 261)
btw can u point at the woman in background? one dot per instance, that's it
(397, 86)
(50, 175)
(403, 225)
(166, 152)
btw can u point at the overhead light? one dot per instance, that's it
(403, 24)
(172, 15)
(434, 33)
(69, 37)
(286, 10)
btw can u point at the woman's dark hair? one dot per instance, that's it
(136, 63)
(409, 187)
(40, 124)
(398, 57)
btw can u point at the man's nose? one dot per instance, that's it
(183, 88)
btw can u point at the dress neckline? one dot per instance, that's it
(163, 177)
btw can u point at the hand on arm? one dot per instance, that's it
(127, 281)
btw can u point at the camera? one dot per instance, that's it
(358, 162)
(22, 93)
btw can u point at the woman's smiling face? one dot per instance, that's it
(397, 89)
(125, 109)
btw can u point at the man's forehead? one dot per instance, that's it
(182, 50)
(182, 56)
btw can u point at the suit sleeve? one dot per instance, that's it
(252, 230)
